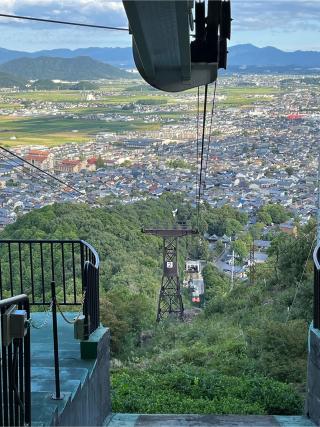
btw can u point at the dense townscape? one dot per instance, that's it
(124, 142)
(263, 149)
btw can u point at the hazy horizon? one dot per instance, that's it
(127, 47)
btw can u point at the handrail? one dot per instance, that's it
(15, 372)
(86, 244)
(30, 265)
(316, 288)
(14, 300)
(315, 257)
(91, 302)
(52, 273)
(95, 253)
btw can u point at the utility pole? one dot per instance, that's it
(170, 299)
(252, 265)
(232, 271)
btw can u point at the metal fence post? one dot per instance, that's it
(57, 395)
(316, 299)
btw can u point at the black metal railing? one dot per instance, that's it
(316, 288)
(91, 306)
(15, 372)
(55, 274)
(30, 267)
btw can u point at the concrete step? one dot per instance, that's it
(48, 386)
(40, 375)
(67, 358)
(46, 344)
(42, 354)
(67, 362)
(162, 420)
(43, 407)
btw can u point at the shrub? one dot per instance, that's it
(196, 390)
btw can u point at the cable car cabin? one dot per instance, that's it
(178, 44)
(195, 298)
(193, 266)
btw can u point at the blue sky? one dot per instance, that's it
(286, 24)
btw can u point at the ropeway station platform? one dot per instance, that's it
(84, 381)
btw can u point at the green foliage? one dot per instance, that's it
(280, 349)
(151, 101)
(290, 255)
(100, 163)
(193, 366)
(256, 230)
(8, 80)
(225, 220)
(289, 170)
(240, 248)
(216, 283)
(178, 163)
(273, 213)
(199, 391)
(70, 69)
(12, 183)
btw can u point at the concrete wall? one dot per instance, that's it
(313, 384)
(91, 403)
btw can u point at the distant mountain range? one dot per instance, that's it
(120, 57)
(240, 56)
(16, 68)
(251, 57)
(70, 69)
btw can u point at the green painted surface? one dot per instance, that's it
(73, 370)
(88, 348)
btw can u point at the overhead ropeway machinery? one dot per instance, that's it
(179, 44)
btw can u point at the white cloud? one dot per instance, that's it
(284, 15)
(271, 22)
(247, 14)
(93, 5)
(101, 12)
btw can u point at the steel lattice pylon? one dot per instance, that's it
(170, 299)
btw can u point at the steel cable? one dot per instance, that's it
(209, 137)
(54, 21)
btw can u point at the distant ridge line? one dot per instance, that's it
(240, 55)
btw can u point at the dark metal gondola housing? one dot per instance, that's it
(163, 52)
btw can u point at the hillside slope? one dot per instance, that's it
(241, 355)
(8, 80)
(79, 68)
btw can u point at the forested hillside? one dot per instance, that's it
(70, 69)
(245, 353)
